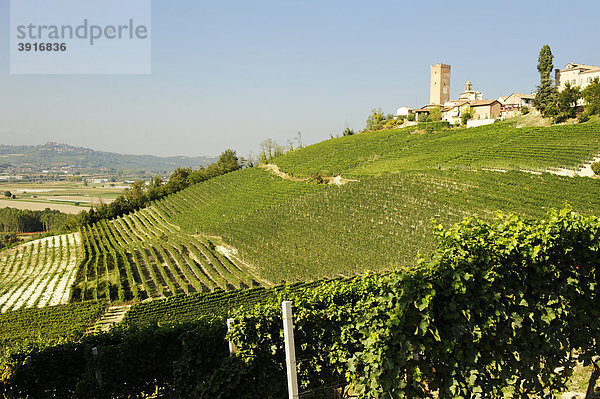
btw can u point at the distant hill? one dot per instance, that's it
(63, 157)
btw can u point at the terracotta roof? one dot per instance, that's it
(478, 103)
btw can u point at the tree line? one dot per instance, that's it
(28, 221)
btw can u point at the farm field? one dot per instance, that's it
(68, 197)
(39, 273)
(41, 205)
(501, 145)
(142, 256)
(252, 228)
(48, 324)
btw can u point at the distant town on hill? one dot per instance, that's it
(63, 159)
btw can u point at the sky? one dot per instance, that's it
(229, 74)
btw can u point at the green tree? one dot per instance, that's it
(591, 95)
(567, 102)
(375, 120)
(7, 194)
(545, 99)
(466, 115)
(435, 113)
(228, 161)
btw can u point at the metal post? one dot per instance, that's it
(232, 348)
(290, 351)
(97, 366)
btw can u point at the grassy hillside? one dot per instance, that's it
(251, 228)
(501, 145)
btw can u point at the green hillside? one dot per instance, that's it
(501, 145)
(251, 227)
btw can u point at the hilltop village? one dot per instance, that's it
(486, 111)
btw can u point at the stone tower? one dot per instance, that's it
(439, 89)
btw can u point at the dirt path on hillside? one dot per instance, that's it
(337, 180)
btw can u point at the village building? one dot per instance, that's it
(453, 110)
(485, 109)
(469, 94)
(404, 111)
(514, 104)
(576, 75)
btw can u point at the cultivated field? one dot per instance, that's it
(68, 197)
(39, 273)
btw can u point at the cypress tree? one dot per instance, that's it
(545, 98)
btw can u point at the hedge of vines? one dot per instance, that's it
(499, 312)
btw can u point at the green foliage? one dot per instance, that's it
(139, 196)
(375, 120)
(348, 132)
(7, 239)
(28, 221)
(382, 223)
(545, 98)
(411, 117)
(48, 324)
(591, 95)
(133, 363)
(466, 115)
(596, 168)
(435, 113)
(498, 312)
(567, 102)
(433, 126)
(187, 308)
(525, 110)
(422, 117)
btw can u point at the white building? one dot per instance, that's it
(576, 74)
(403, 111)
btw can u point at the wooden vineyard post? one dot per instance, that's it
(232, 348)
(290, 351)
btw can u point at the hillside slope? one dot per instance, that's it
(501, 145)
(252, 228)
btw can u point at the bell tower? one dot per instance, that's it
(439, 88)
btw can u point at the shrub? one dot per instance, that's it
(584, 116)
(596, 168)
(348, 132)
(525, 110)
(317, 178)
(411, 117)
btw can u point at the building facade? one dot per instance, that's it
(576, 75)
(439, 88)
(485, 109)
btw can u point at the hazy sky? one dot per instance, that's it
(228, 74)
